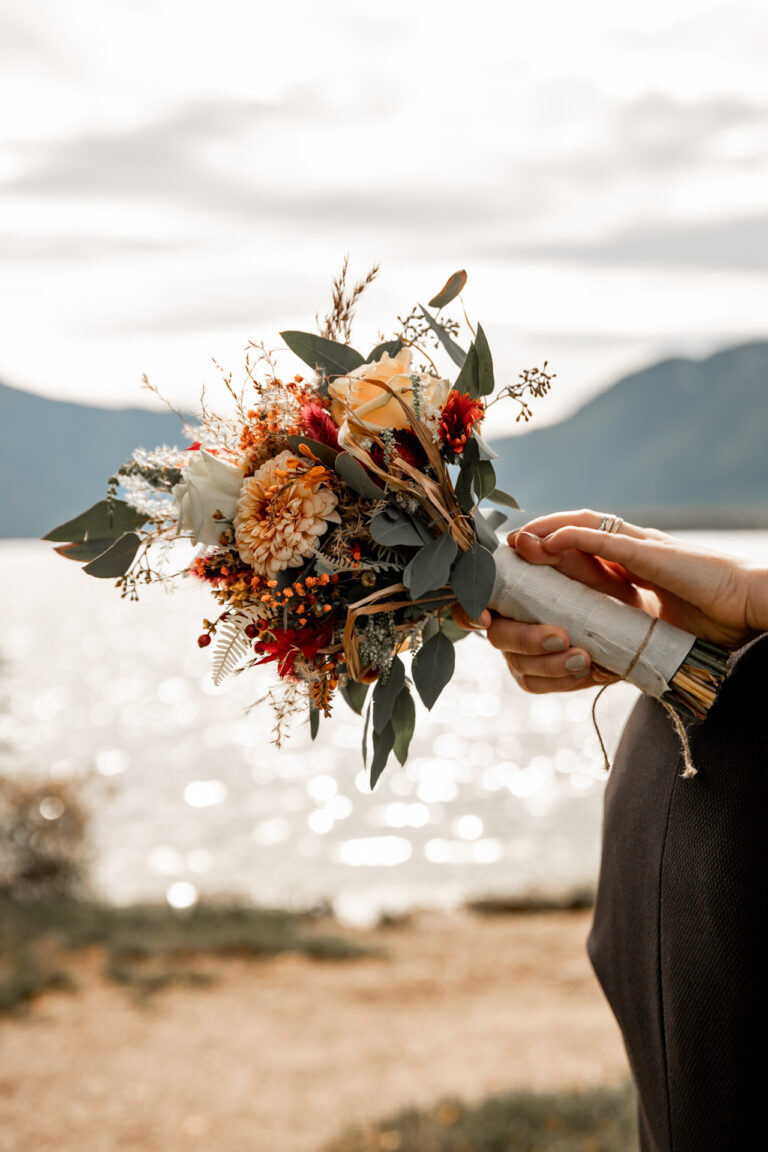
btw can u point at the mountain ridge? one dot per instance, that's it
(682, 441)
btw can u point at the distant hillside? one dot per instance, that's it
(55, 458)
(684, 441)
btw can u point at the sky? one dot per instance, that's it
(177, 178)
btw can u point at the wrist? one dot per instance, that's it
(757, 598)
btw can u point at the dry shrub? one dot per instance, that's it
(43, 840)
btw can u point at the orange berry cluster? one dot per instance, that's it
(299, 598)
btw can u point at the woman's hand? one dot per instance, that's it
(715, 596)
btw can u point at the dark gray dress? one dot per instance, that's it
(678, 939)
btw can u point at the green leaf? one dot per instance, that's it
(483, 479)
(463, 488)
(481, 471)
(485, 450)
(97, 522)
(385, 693)
(365, 736)
(327, 356)
(485, 528)
(494, 518)
(391, 347)
(84, 552)
(354, 693)
(498, 496)
(314, 720)
(403, 722)
(452, 630)
(355, 476)
(116, 560)
(450, 290)
(324, 452)
(430, 629)
(486, 383)
(433, 667)
(431, 566)
(468, 380)
(392, 527)
(472, 579)
(456, 353)
(383, 743)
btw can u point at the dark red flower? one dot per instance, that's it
(318, 424)
(408, 447)
(460, 412)
(287, 644)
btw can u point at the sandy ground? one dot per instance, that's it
(282, 1054)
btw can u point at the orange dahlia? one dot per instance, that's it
(282, 510)
(459, 413)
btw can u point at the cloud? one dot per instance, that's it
(737, 243)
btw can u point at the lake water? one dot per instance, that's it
(501, 794)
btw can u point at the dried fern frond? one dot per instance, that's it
(331, 565)
(232, 646)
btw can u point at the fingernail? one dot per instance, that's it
(580, 675)
(554, 644)
(576, 663)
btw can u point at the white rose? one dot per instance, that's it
(208, 485)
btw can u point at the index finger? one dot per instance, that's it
(583, 518)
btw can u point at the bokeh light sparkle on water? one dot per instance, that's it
(502, 792)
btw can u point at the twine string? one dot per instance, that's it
(690, 768)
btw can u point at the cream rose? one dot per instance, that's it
(208, 485)
(357, 404)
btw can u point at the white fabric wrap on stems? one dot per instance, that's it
(612, 632)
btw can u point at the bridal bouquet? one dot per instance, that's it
(338, 515)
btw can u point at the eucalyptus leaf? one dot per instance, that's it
(365, 736)
(453, 631)
(485, 533)
(431, 566)
(483, 479)
(403, 722)
(116, 560)
(430, 629)
(354, 693)
(499, 496)
(456, 353)
(386, 692)
(328, 356)
(392, 527)
(450, 290)
(325, 454)
(383, 743)
(87, 550)
(433, 667)
(472, 579)
(486, 383)
(391, 347)
(355, 476)
(495, 518)
(99, 522)
(486, 527)
(468, 381)
(463, 488)
(314, 720)
(484, 448)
